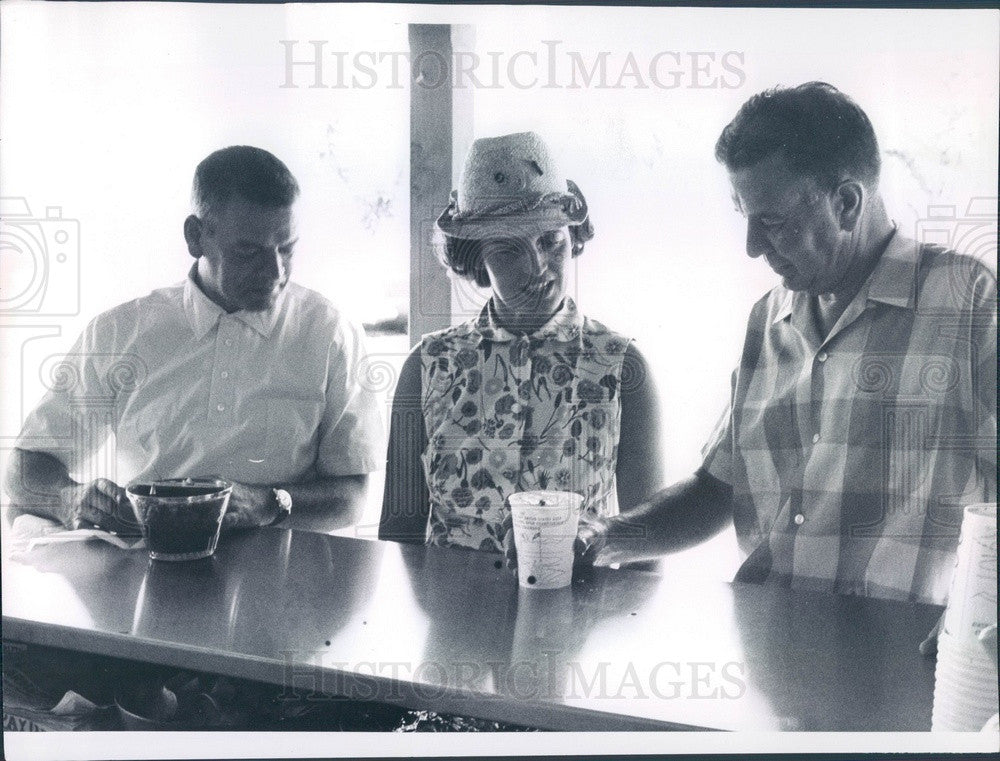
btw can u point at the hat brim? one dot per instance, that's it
(504, 226)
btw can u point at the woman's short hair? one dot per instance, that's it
(464, 256)
(820, 131)
(245, 172)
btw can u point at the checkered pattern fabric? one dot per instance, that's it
(851, 457)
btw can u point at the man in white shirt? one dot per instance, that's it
(235, 372)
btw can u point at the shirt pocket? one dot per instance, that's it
(282, 437)
(155, 428)
(157, 434)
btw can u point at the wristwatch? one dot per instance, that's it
(284, 500)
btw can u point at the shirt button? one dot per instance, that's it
(815, 438)
(224, 374)
(799, 519)
(220, 407)
(515, 407)
(229, 342)
(821, 356)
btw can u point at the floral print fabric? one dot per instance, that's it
(506, 413)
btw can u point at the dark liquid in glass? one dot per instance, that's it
(180, 529)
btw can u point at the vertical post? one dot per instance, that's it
(463, 41)
(437, 117)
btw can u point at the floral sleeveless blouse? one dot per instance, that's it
(507, 413)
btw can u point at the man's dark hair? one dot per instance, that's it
(464, 256)
(820, 131)
(245, 172)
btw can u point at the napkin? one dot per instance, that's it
(31, 531)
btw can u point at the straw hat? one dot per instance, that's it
(508, 184)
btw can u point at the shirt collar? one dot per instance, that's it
(893, 281)
(785, 310)
(203, 314)
(564, 326)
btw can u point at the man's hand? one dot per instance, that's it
(591, 536)
(929, 645)
(100, 503)
(249, 507)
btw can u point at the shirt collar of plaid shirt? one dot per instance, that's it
(892, 282)
(203, 314)
(564, 326)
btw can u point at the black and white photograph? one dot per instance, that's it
(497, 380)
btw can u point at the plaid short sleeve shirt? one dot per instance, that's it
(851, 457)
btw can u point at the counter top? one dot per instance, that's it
(448, 630)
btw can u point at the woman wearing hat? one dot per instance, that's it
(530, 394)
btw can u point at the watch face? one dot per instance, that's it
(284, 499)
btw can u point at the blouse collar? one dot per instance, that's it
(564, 326)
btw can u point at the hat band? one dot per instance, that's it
(572, 205)
(503, 206)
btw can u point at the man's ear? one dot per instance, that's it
(849, 200)
(192, 234)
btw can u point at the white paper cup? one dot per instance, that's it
(961, 660)
(966, 691)
(970, 696)
(545, 524)
(966, 666)
(964, 681)
(951, 720)
(972, 651)
(972, 599)
(965, 686)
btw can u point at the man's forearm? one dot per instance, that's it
(327, 504)
(681, 516)
(34, 481)
(323, 504)
(37, 481)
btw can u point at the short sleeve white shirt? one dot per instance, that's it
(181, 388)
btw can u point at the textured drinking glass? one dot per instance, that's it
(180, 518)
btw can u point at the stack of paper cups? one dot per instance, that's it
(965, 680)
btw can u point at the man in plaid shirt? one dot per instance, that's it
(863, 410)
